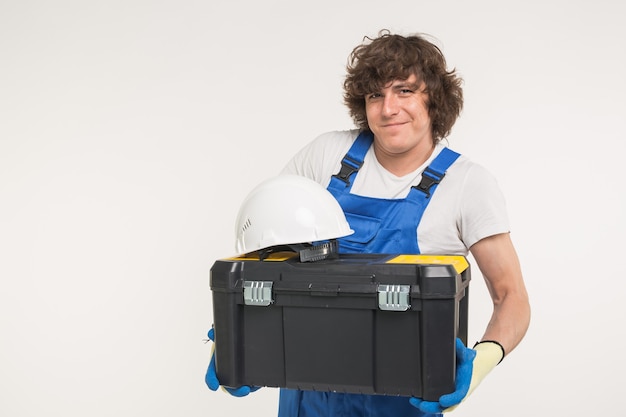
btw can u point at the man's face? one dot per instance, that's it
(398, 117)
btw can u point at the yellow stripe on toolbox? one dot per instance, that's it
(459, 262)
(275, 257)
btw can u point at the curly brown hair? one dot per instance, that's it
(374, 64)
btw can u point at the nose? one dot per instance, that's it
(390, 105)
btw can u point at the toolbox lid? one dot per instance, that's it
(394, 281)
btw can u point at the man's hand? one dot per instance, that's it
(211, 376)
(472, 365)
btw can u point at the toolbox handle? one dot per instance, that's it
(324, 289)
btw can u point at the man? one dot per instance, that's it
(403, 191)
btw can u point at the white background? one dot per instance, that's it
(130, 131)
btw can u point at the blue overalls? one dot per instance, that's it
(381, 226)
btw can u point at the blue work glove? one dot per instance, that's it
(472, 365)
(211, 376)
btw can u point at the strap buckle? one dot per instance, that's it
(430, 177)
(348, 167)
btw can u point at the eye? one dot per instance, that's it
(373, 96)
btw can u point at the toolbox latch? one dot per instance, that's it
(257, 293)
(394, 297)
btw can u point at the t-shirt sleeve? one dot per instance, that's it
(321, 158)
(483, 208)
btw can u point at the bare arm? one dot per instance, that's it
(499, 264)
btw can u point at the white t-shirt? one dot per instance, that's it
(466, 207)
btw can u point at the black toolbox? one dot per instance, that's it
(361, 323)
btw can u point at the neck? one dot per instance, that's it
(400, 164)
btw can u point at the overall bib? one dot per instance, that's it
(381, 226)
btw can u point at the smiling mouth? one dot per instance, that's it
(394, 124)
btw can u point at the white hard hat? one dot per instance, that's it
(288, 209)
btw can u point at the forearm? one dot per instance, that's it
(509, 321)
(499, 265)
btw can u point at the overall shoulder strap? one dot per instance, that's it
(352, 161)
(435, 171)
